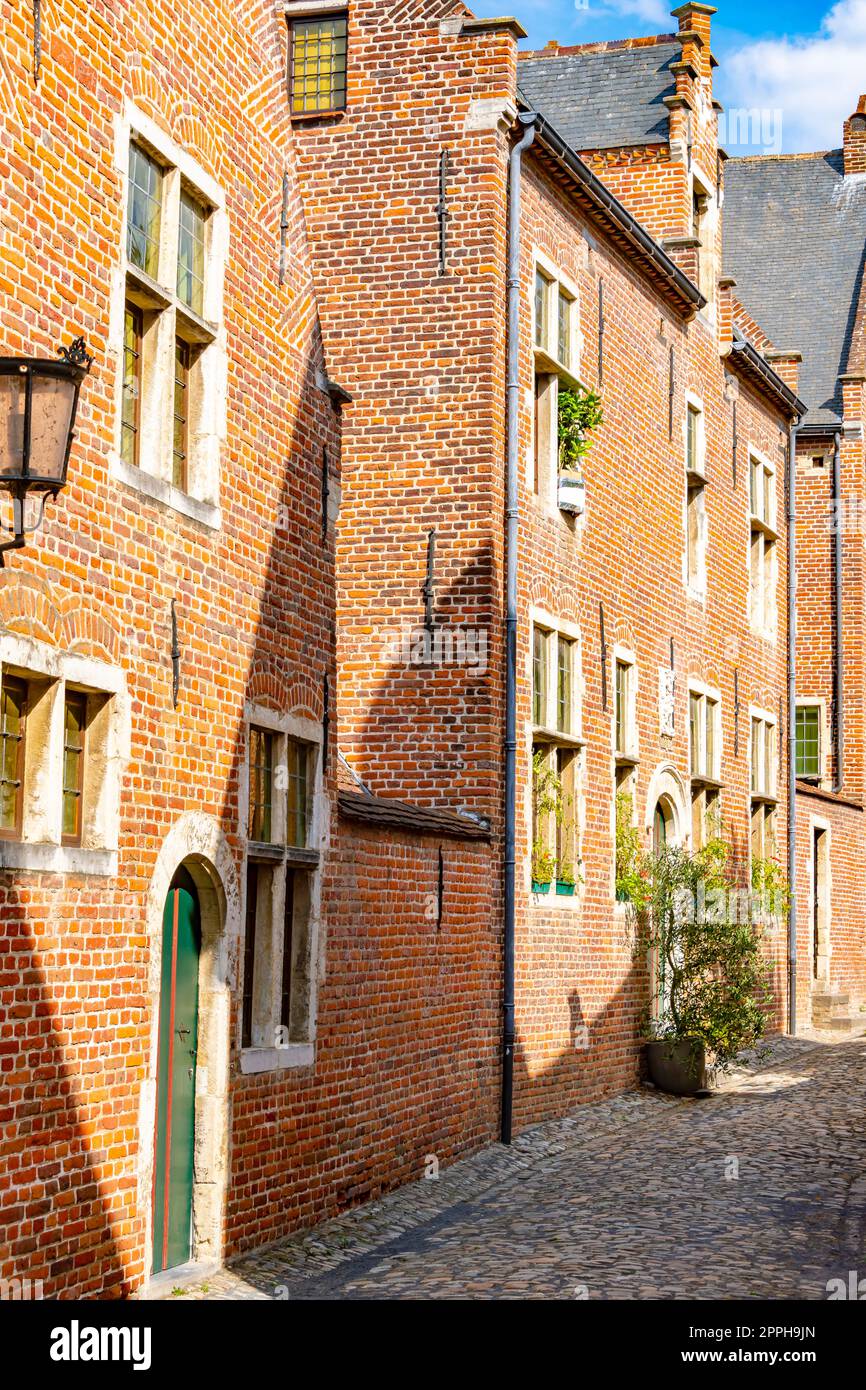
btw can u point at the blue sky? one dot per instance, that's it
(801, 64)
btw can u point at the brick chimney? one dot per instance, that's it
(855, 140)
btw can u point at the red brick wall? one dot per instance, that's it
(422, 355)
(255, 597)
(575, 968)
(407, 1054)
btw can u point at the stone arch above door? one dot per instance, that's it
(197, 844)
(667, 785)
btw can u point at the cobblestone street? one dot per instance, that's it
(758, 1192)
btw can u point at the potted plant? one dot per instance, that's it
(543, 868)
(711, 980)
(565, 879)
(579, 413)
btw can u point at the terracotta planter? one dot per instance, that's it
(678, 1065)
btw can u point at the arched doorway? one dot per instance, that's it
(663, 825)
(174, 1146)
(663, 834)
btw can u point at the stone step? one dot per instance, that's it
(833, 1025)
(828, 997)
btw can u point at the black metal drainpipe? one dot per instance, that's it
(792, 726)
(837, 559)
(526, 121)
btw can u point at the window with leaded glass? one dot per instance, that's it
(564, 683)
(703, 735)
(542, 286)
(261, 769)
(130, 430)
(180, 439)
(74, 731)
(622, 702)
(171, 356)
(539, 677)
(190, 254)
(318, 64)
(693, 423)
(563, 329)
(13, 714)
(297, 778)
(762, 546)
(763, 757)
(808, 740)
(144, 211)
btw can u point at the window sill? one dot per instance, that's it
(255, 1060)
(549, 366)
(304, 116)
(158, 490)
(711, 783)
(766, 530)
(57, 859)
(545, 735)
(626, 759)
(761, 799)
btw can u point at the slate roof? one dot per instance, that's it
(604, 99)
(794, 241)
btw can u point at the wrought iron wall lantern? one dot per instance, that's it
(38, 404)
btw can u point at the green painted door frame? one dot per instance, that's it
(175, 1087)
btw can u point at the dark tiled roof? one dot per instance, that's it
(601, 100)
(401, 815)
(794, 239)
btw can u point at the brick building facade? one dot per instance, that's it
(260, 748)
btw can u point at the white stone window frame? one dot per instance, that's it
(259, 1057)
(554, 628)
(763, 594)
(695, 478)
(630, 752)
(106, 752)
(548, 734)
(201, 503)
(820, 703)
(767, 721)
(546, 363)
(702, 183)
(710, 697)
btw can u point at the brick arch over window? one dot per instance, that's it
(698, 669)
(153, 99)
(191, 133)
(27, 608)
(297, 694)
(89, 633)
(561, 601)
(622, 635)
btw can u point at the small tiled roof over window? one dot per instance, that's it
(603, 98)
(794, 241)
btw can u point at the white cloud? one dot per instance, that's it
(815, 80)
(648, 11)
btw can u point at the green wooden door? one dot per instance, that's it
(175, 1096)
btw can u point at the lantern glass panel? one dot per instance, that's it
(53, 401)
(13, 397)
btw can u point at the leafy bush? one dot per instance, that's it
(578, 415)
(712, 980)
